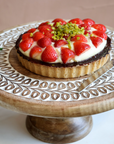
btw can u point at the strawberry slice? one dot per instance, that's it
(75, 21)
(59, 20)
(79, 37)
(99, 27)
(26, 36)
(35, 51)
(86, 26)
(49, 34)
(45, 28)
(100, 34)
(37, 36)
(80, 47)
(60, 43)
(31, 30)
(44, 23)
(44, 42)
(88, 21)
(67, 55)
(26, 44)
(49, 54)
(87, 32)
(96, 41)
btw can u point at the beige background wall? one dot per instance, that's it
(16, 12)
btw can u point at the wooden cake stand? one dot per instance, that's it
(56, 112)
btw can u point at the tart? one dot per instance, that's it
(64, 49)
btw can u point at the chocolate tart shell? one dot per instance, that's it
(58, 70)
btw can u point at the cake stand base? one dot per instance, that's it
(59, 130)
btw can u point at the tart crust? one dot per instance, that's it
(63, 72)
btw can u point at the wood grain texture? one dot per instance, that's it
(59, 130)
(53, 108)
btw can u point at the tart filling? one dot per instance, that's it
(77, 47)
(101, 54)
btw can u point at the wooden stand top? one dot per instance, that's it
(31, 94)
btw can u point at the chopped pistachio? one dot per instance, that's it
(87, 34)
(31, 34)
(68, 29)
(78, 38)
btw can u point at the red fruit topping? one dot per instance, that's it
(67, 54)
(26, 44)
(44, 42)
(66, 36)
(99, 27)
(59, 20)
(26, 36)
(44, 23)
(88, 21)
(96, 41)
(31, 30)
(35, 51)
(45, 28)
(100, 34)
(86, 26)
(60, 43)
(79, 37)
(80, 47)
(49, 54)
(49, 34)
(87, 32)
(76, 21)
(37, 36)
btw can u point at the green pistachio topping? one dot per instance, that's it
(91, 35)
(68, 30)
(78, 38)
(31, 34)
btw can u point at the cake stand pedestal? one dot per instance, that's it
(59, 130)
(56, 112)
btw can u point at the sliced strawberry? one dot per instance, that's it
(99, 27)
(31, 30)
(59, 20)
(86, 26)
(45, 28)
(60, 43)
(26, 36)
(79, 37)
(37, 36)
(44, 42)
(66, 36)
(49, 54)
(49, 34)
(35, 51)
(100, 34)
(26, 44)
(67, 54)
(76, 21)
(88, 21)
(44, 23)
(87, 32)
(80, 47)
(96, 41)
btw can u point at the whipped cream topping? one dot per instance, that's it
(85, 55)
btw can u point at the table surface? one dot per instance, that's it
(13, 129)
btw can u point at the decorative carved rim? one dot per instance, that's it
(41, 92)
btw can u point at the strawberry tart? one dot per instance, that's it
(64, 49)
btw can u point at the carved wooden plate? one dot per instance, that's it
(32, 94)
